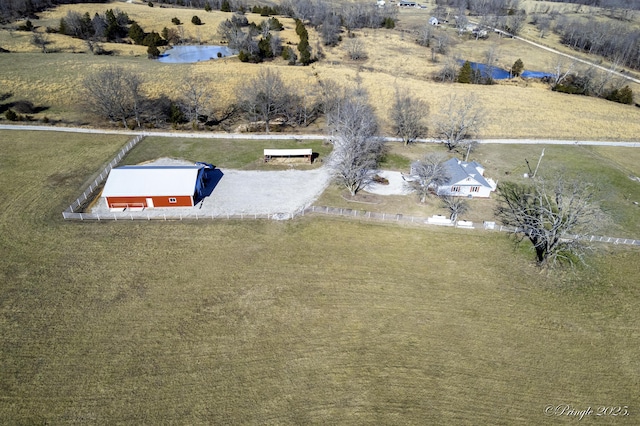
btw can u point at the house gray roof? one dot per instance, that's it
(459, 171)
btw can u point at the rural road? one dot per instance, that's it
(281, 136)
(573, 58)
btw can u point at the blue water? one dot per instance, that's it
(190, 54)
(500, 74)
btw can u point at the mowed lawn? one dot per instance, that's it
(311, 321)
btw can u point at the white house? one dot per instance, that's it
(433, 21)
(466, 180)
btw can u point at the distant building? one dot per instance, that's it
(403, 3)
(434, 21)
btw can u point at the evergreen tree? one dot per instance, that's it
(136, 33)
(517, 68)
(195, 20)
(466, 73)
(153, 52)
(226, 6)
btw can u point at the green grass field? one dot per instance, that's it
(311, 321)
(231, 153)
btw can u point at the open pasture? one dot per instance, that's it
(300, 322)
(516, 109)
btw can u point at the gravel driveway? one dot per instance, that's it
(245, 192)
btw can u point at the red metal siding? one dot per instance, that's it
(182, 201)
(119, 202)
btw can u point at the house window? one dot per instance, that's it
(475, 189)
(172, 200)
(455, 189)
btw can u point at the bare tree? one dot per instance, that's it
(196, 97)
(490, 59)
(424, 35)
(456, 205)
(265, 97)
(408, 116)
(553, 216)
(41, 41)
(561, 69)
(356, 150)
(331, 96)
(355, 49)
(113, 93)
(427, 174)
(448, 73)
(459, 120)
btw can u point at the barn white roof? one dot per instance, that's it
(148, 181)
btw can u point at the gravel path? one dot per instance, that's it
(396, 184)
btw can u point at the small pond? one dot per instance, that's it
(500, 74)
(190, 54)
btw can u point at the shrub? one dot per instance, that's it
(175, 21)
(11, 115)
(623, 96)
(24, 107)
(207, 7)
(150, 4)
(27, 26)
(153, 52)
(289, 55)
(389, 23)
(275, 25)
(226, 6)
(195, 20)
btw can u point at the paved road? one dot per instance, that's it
(280, 136)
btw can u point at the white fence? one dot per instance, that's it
(70, 212)
(169, 216)
(465, 225)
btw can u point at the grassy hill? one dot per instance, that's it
(514, 109)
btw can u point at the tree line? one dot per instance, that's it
(612, 40)
(14, 9)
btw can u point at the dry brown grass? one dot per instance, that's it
(311, 321)
(514, 109)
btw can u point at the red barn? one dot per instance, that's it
(153, 186)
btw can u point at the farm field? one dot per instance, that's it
(513, 109)
(300, 322)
